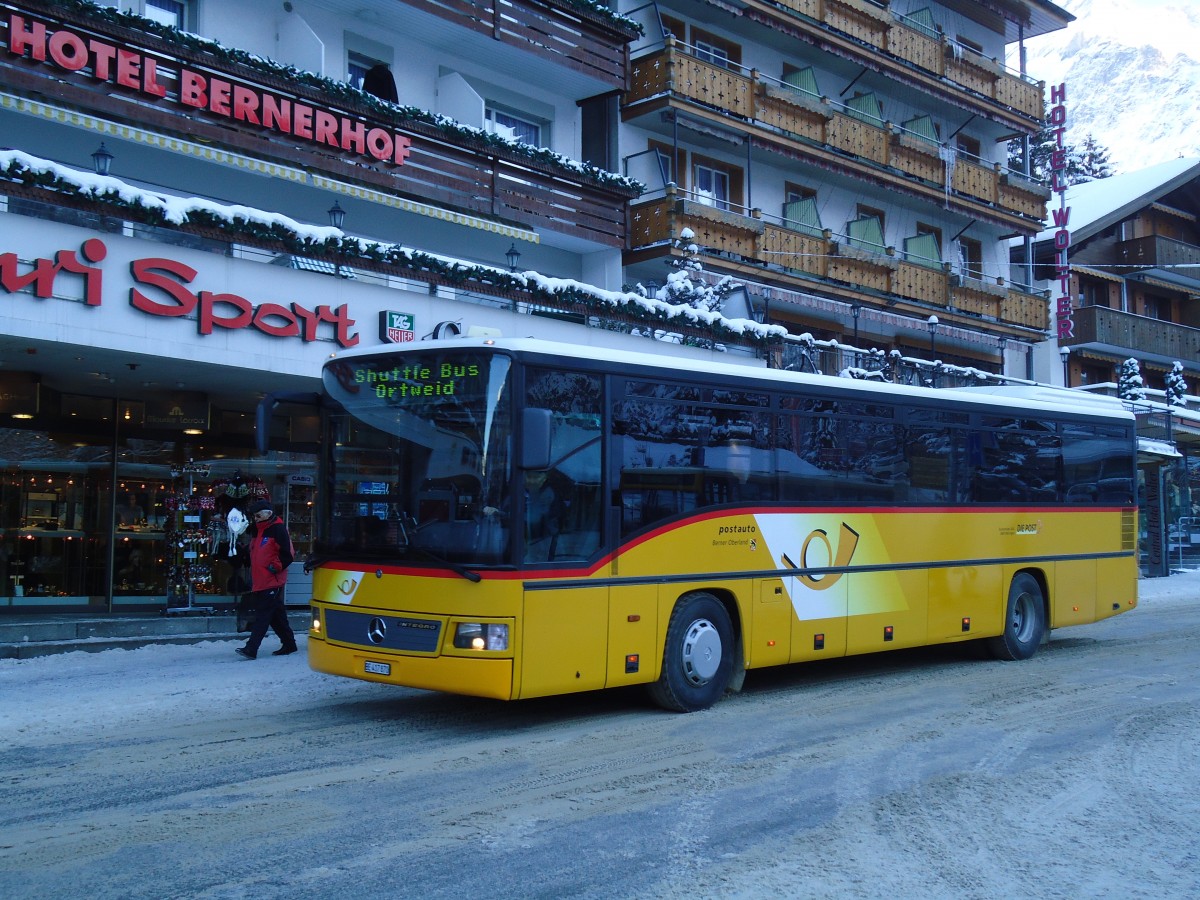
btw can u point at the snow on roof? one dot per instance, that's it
(1095, 202)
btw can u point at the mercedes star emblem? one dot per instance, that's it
(377, 630)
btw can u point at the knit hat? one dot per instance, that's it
(259, 506)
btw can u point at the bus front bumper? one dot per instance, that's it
(491, 678)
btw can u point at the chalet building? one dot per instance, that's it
(846, 160)
(1132, 276)
(200, 200)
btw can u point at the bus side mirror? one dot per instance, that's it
(535, 438)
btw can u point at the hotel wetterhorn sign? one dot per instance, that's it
(42, 41)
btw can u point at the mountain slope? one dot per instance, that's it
(1132, 70)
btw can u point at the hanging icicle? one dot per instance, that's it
(949, 155)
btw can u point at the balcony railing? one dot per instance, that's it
(1128, 334)
(875, 26)
(817, 125)
(1184, 259)
(568, 35)
(843, 269)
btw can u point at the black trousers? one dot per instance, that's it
(269, 612)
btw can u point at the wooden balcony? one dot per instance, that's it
(566, 34)
(1121, 333)
(1182, 258)
(872, 34)
(839, 269)
(455, 167)
(794, 123)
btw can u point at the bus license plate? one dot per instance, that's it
(378, 668)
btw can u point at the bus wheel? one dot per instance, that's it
(698, 658)
(1025, 622)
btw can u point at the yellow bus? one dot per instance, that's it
(513, 518)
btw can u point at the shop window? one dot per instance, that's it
(512, 126)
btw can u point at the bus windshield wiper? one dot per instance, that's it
(471, 576)
(315, 559)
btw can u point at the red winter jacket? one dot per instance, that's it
(270, 548)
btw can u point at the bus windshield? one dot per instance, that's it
(419, 458)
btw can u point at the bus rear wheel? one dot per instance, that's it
(1024, 622)
(698, 657)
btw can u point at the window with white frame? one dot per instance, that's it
(175, 13)
(513, 126)
(711, 53)
(710, 186)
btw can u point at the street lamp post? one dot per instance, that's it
(854, 311)
(1065, 353)
(337, 218)
(933, 327)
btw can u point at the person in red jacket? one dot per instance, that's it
(270, 555)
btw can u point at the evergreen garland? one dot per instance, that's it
(392, 113)
(243, 226)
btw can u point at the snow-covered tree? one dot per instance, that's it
(1086, 162)
(1130, 385)
(1176, 386)
(1094, 162)
(686, 285)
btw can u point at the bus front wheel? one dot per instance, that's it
(1024, 623)
(698, 657)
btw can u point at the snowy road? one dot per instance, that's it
(180, 771)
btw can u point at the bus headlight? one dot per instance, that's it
(315, 614)
(480, 636)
